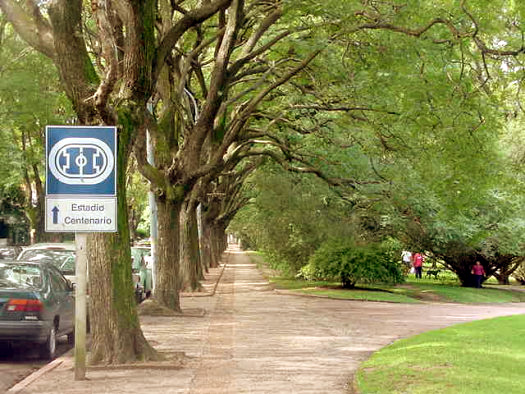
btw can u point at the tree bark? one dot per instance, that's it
(115, 328)
(167, 270)
(116, 333)
(189, 246)
(206, 248)
(218, 243)
(505, 271)
(73, 62)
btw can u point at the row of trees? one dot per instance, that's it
(351, 91)
(439, 168)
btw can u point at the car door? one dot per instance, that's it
(65, 300)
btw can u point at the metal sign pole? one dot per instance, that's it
(80, 305)
(153, 214)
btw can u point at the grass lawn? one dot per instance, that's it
(486, 356)
(411, 291)
(358, 294)
(444, 289)
(456, 293)
(330, 289)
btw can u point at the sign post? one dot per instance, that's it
(80, 305)
(81, 197)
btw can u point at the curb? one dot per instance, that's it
(38, 373)
(222, 267)
(220, 275)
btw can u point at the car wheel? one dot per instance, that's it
(48, 349)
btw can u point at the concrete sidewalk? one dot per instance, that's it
(250, 339)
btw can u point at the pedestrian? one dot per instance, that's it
(417, 263)
(406, 256)
(479, 272)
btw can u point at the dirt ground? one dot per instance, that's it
(248, 338)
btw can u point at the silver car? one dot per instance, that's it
(61, 255)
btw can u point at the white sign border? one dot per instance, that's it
(71, 198)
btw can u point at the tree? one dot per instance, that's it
(209, 89)
(220, 204)
(110, 91)
(29, 101)
(425, 176)
(290, 215)
(352, 263)
(114, 58)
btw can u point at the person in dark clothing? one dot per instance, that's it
(479, 273)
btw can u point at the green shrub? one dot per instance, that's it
(352, 263)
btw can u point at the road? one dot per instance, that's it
(22, 360)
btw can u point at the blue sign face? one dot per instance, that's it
(81, 160)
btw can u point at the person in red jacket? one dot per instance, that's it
(479, 273)
(417, 263)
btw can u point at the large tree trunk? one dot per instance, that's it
(462, 270)
(116, 333)
(206, 247)
(115, 328)
(504, 273)
(167, 269)
(218, 243)
(189, 246)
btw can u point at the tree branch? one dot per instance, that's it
(190, 19)
(33, 29)
(342, 109)
(263, 27)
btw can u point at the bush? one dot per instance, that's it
(352, 263)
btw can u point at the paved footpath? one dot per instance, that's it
(248, 338)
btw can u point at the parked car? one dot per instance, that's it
(141, 267)
(9, 252)
(61, 255)
(36, 305)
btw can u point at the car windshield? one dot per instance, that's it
(20, 276)
(64, 260)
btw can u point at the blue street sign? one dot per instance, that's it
(81, 160)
